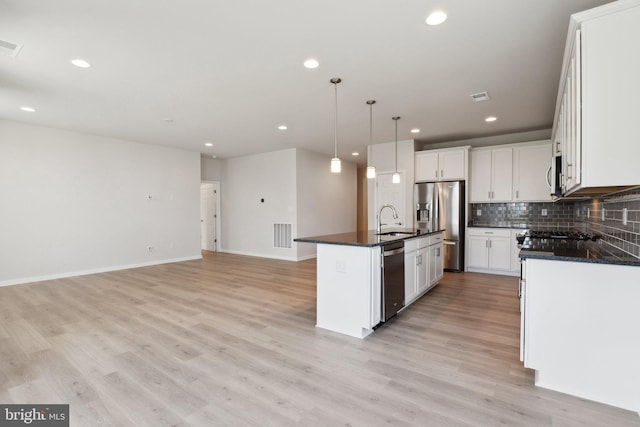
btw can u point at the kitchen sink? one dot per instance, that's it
(396, 233)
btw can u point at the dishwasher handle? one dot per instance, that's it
(393, 252)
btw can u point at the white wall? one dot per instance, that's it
(74, 203)
(247, 223)
(383, 158)
(211, 169)
(327, 202)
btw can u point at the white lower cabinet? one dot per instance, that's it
(578, 320)
(422, 265)
(490, 250)
(436, 270)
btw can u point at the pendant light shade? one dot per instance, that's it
(336, 165)
(371, 170)
(395, 178)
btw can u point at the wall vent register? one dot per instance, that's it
(282, 235)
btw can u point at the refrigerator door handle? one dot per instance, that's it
(449, 242)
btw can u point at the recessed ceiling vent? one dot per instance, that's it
(481, 96)
(9, 49)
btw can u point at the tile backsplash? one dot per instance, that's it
(615, 218)
(522, 214)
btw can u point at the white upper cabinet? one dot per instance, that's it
(441, 165)
(427, 166)
(514, 172)
(491, 175)
(596, 122)
(532, 172)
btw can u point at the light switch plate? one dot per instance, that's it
(479, 212)
(544, 212)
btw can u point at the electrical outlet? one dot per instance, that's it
(544, 212)
(150, 248)
(479, 212)
(341, 266)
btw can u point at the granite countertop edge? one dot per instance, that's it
(366, 239)
(524, 254)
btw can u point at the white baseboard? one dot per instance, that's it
(24, 280)
(260, 255)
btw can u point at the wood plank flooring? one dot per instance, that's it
(230, 340)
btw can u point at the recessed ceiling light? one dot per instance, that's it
(213, 156)
(436, 17)
(491, 119)
(355, 153)
(168, 120)
(282, 127)
(209, 144)
(28, 109)
(79, 62)
(311, 63)
(416, 130)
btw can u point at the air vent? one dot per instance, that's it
(481, 96)
(281, 235)
(9, 49)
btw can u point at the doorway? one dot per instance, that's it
(209, 215)
(392, 194)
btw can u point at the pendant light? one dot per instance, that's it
(371, 170)
(335, 162)
(395, 178)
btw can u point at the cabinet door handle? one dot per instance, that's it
(489, 194)
(486, 243)
(441, 173)
(517, 194)
(489, 243)
(436, 173)
(569, 167)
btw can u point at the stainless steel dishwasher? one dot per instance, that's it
(392, 279)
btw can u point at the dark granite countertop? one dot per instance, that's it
(524, 226)
(366, 238)
(577, 251)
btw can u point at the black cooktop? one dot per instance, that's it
(554, 235)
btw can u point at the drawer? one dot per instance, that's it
(489, 232)
(411, 245)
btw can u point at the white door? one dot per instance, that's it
(388, 193)
(480, 176)
(478, 252)
(208, 194)
(452, 165)
(426, 165)
(500, 253)
(502, 176)
(531, 164)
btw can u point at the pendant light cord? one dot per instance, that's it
(396, 120)
(335, 124)
(370, 130)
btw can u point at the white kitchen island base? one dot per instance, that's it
(348, 289)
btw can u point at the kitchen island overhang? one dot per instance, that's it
(349, 274)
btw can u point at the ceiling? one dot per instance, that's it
(230, 72)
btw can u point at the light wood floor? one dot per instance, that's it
(230, 340)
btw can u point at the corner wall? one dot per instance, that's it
(247, 222)
(75, 203)
(327, 202)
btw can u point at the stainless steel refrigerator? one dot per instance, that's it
(441, 206)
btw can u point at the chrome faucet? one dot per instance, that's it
(395, 216)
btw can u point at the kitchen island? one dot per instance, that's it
(349, 276)
(579, 320)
